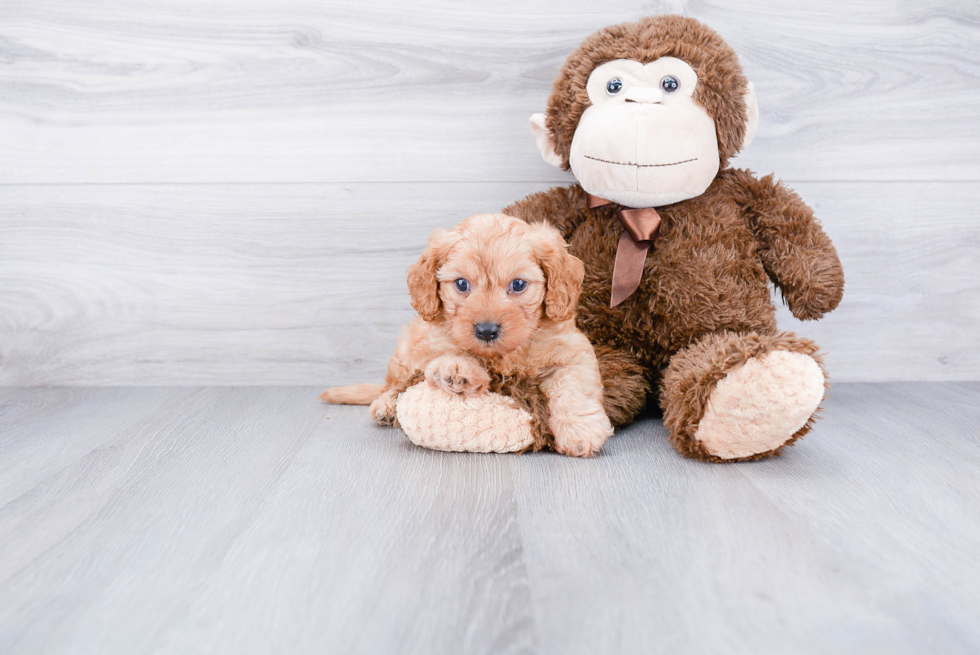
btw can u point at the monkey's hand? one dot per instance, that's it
(798, 256)
(814, 288)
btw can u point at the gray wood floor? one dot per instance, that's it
(255, 520)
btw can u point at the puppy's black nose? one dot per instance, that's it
(487, 331)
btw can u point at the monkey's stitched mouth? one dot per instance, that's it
(629, 163)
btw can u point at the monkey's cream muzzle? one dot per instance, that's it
(644, 145)
(644, 141)
(642, 155)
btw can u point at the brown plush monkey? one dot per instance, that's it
(679, 249)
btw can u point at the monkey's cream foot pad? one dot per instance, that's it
(759, 406)
(489, 423)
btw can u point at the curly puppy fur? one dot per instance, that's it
(539, 357)
(709, 272)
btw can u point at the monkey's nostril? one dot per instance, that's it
(487, 332)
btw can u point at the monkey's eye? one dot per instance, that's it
(518, 285)
(614, 86)
(462, 284)
(670, 84)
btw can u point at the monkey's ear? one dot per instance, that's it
(752, 119)
(545, 140)
(422, 282)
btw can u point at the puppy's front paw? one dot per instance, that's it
(383, 409)
(582, 436)
(457, 375)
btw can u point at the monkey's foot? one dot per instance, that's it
(759, 407)
(733, 396)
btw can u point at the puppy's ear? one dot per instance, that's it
(563, 272)
(422, 282)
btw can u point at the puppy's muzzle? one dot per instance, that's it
(487, 332)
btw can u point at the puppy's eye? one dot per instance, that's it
(614, 86)
(670, 84)
(518, 285)
(461, 284)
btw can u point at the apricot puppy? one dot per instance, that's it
(496, 297)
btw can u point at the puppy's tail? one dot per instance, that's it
(354, 394)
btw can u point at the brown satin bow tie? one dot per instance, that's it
(642, 227)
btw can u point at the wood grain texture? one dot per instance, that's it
(258, 520)
(867, 528)
(305, 284)
(229, 192)
(216, 521)
(369, 90)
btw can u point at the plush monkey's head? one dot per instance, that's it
(645, 114)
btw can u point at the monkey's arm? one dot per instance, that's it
(798, 256)
(563, 207)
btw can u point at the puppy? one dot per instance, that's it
(496, 300)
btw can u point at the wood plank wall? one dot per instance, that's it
(229, 192)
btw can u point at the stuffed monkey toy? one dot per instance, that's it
(679, 249)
